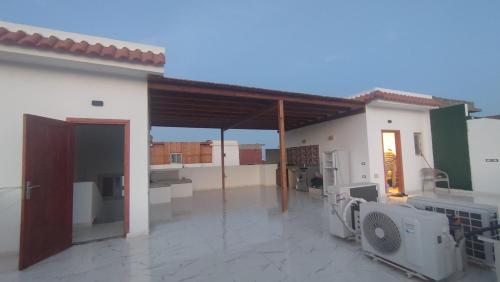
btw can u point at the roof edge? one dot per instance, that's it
(48, 41)
(233, 87)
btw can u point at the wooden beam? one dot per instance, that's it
(332, 117)
(200, 108)
(256, 126)
(283, 169)
(250, 117)
(206, 100)
(195, 114)
(223, 168)
(227, 104)
(258, 94)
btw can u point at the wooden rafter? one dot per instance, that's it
(250, 117)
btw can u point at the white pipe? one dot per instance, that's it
(347, 207)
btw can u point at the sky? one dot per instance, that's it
(448, 48)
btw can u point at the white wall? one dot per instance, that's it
(361, 135)
(209, 178)
(484, 143)
(349, 133)
(231, 149)
(407, 121)
(174, 166)
(61, 93)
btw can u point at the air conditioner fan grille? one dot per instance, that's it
(381, 232)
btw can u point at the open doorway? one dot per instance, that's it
(99, 182)
(393, 165)
(52, 170)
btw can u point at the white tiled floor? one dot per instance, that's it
(246, 239)
(86, 233)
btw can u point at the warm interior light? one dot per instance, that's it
(389, 139)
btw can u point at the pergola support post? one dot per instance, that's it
(283, 163)
(223, 168)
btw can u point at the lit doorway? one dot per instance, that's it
(393, 165)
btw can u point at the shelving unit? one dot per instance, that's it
(328, 170)
(336, 170)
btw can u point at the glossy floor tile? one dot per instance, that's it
(86, 233)
(245, 239)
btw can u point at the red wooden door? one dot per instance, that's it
(47, 204)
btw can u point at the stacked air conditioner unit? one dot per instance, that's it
(414, 240)
(472, 217)
(343, 209)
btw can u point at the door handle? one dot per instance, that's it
(28, 189)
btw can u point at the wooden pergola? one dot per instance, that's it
(196, 104)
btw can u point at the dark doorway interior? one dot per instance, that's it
(98, 192)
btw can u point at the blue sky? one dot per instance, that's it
(447, 48)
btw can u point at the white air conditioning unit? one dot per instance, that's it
(472, 216)
(339, 199)
(414, 240)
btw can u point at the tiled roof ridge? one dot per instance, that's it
(82, 48)
(393, 97)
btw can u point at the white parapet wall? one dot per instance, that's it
(484, 153)
(182, 190)
(209, 178)
(160, 195)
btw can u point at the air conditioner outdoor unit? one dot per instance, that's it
(472, 216)
(340, 205)
(414, 240)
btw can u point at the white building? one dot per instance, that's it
(231, 152)
(403, 113)
(79, 79)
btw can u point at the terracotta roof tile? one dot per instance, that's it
(3, 31)
(12, 37)
(135, 56)
(380, 95)
(81, 48)
(94, 49)
(109, 51)
(122, 53)
(159, 59)
(147, 58)
(47, 42)
(30, 40)
(63, 45)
